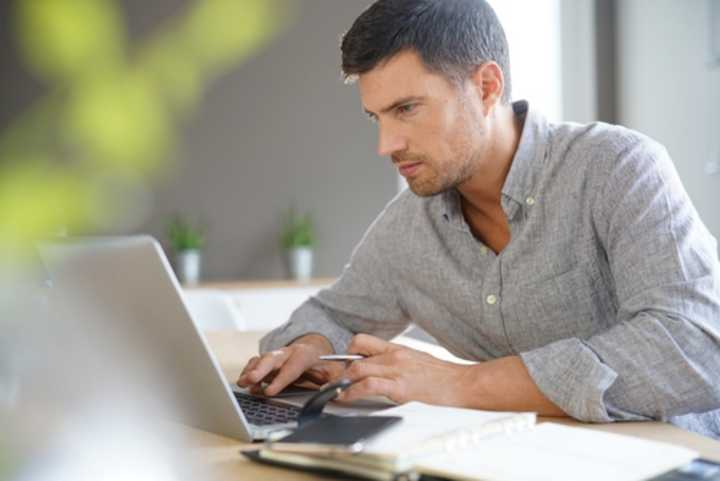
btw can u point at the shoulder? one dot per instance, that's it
(605, 149)
(628, 175)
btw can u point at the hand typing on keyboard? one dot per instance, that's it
(291, 364)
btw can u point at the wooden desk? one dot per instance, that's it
(220, 454)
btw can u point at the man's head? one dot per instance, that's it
(430, 73)
(452, 37)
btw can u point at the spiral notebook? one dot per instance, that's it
(466, 444)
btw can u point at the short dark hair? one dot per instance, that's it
(452, 37)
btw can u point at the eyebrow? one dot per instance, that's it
(396, 104)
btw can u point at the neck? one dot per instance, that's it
(482, 192)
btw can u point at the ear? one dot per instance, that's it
(489, 83)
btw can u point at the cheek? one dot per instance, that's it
(441, 134)
(438, 139)
(468, 131)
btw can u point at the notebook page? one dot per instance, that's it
(438, 427)
(552, 452)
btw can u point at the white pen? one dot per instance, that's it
(342, 357)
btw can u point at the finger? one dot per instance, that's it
(259, 388)
(251, 364)
(292, 369)
(313, 376)
(363, 369)
(248, 367)
(330, 369)
(306, 382)
(372, 386)
(269, 378)
(324, 372)
(396, 356)
(256, 389)
(370, 345)
(268, 363)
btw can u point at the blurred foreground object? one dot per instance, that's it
(77, 402)
(79, 158)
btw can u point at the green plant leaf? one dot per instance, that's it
(184, 236)
(298, 231)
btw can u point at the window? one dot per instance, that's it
(533, 31)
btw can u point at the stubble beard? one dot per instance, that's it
(437, 184)
(449, 174)
(445, 175)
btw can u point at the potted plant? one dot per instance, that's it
(298, 240)
(186, 241)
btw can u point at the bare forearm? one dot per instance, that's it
(504, 384)
(403, 374)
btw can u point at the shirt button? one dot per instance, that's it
(491, 299)
(530, 201)
(483, 250)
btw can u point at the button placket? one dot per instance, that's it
(489, 307)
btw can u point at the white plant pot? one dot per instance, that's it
(188, 265)
(300, 262)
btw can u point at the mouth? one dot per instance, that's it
(409, 168)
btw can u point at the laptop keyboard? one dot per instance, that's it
(260, 411)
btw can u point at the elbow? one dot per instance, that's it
(664, 399)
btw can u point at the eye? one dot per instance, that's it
(406, 108)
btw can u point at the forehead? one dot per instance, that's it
(403, 75)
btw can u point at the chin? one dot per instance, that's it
(425, 190)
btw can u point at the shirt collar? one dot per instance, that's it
(530, 154)
(520, 182)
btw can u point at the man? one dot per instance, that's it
(566, 259)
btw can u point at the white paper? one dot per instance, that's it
(552, 452)
(423, 423)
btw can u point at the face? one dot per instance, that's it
(433, 131)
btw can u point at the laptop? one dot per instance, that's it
(131, 278)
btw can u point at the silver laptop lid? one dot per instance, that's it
(130, 279)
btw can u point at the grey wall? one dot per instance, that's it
(281, 130)
(668, 89)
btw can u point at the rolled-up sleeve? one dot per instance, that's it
(310, 318)
(661, 357)
(363, 299)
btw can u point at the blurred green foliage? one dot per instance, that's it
(113, 108)
(62, 40)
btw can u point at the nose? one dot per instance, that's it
(390, 142)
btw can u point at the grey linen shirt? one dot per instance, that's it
(609, 290)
